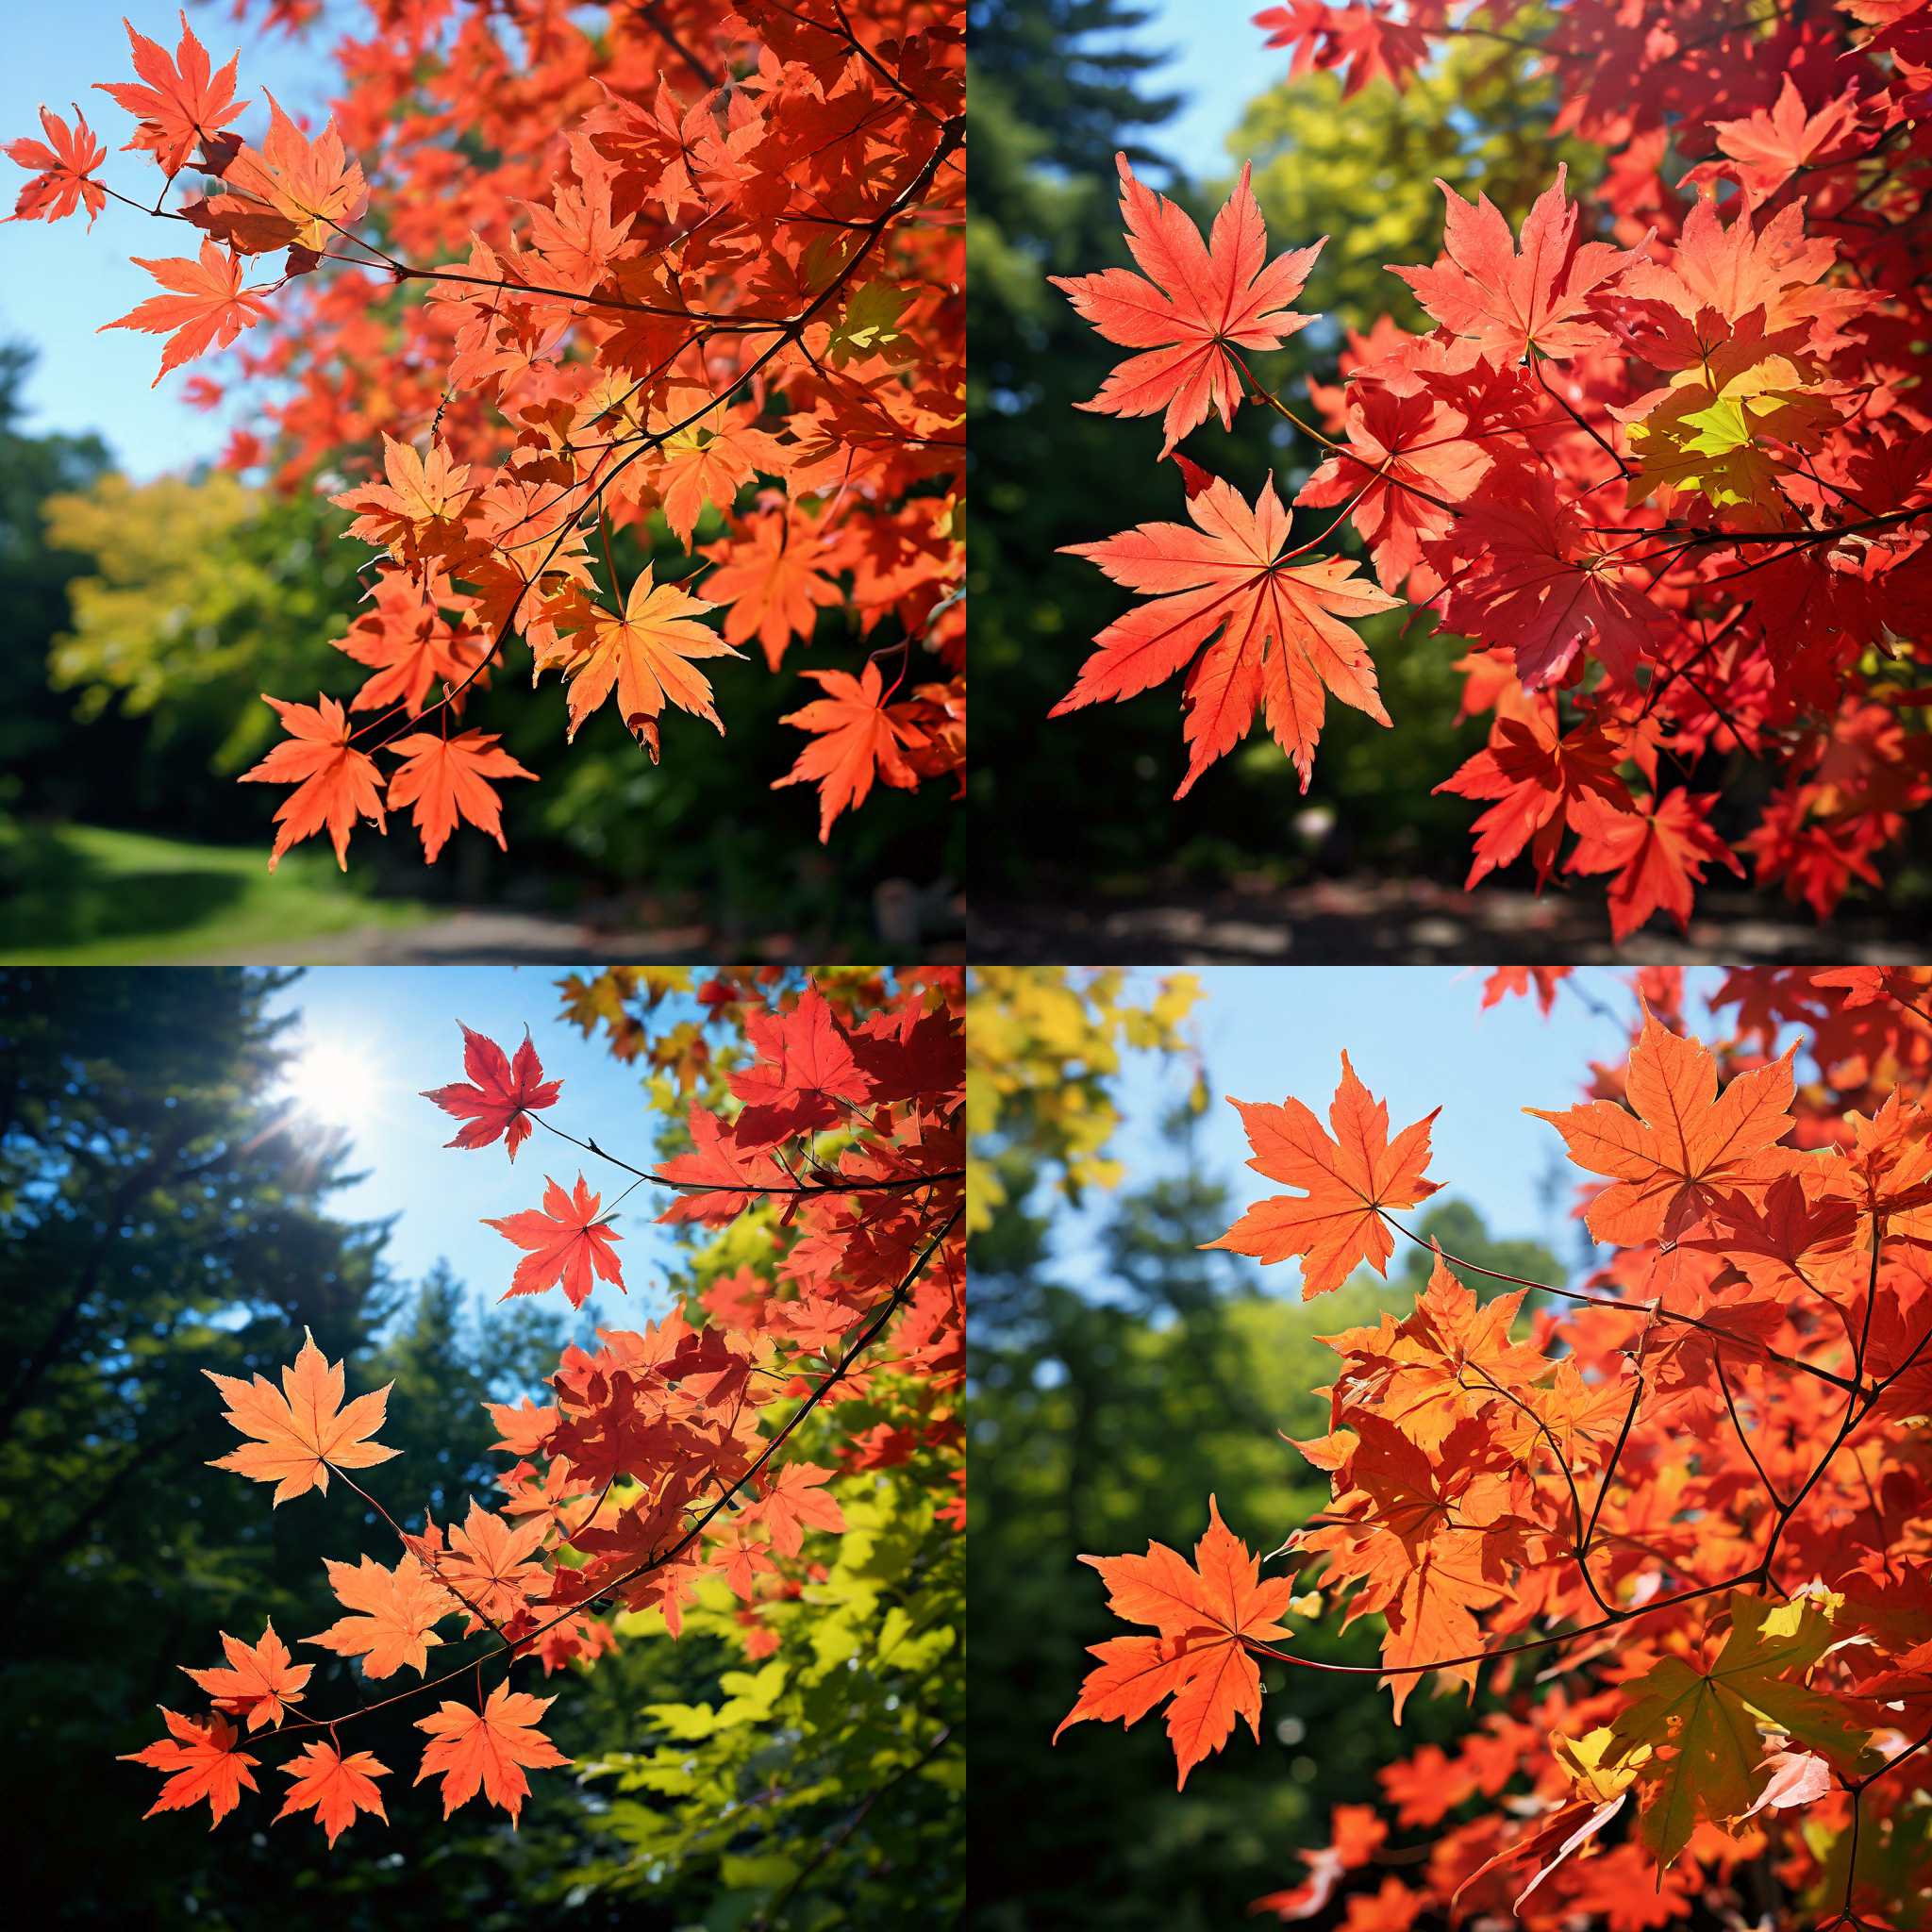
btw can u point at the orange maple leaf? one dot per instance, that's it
(207, 307)
(445, 779)
(488, 1564)
(860, 739)
(1194, 306)
(260, 1682)
(565, 1241)
(768, 582)
(335, 784)
(204, 1763)
(647, 654)
(488, 1749)
(311, 184)
(335, 1786)
(183, 100)
(302, 1430)
(1348, 1179)
(1685, 1145)
(1206, 1613)
(396, 1611)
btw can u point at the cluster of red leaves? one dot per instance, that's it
(1676, 1519)
(1673, 483)
(664, 1457)
(670, 261)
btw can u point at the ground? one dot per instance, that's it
(1413, 923)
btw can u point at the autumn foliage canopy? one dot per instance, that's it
(670, 1457)
(1670, 1525)
(1660, 453)
(549, 271)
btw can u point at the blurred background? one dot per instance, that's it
(1370, 864)
(195, 1166)
(152, 597)
(1119, 1376)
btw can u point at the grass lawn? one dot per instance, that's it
(81, 895)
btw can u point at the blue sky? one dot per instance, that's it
(1219, 60)
(1417, 1039)
(381, 1034)
(59, 281)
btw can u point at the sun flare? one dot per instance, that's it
(335, 1083)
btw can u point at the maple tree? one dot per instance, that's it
(1667, 1521)
(699, 1470)
(1656, 453)
(691, 269)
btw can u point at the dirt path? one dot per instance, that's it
(1358, 922)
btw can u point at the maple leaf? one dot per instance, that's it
(1511, 300)
(1547, 584)
(858, 739)
(335, 783)
(312, 185)
(1336, 1222)
(1278, 641)
(183, 100)
(1407, 460)
(395, 1612)
(488, 1563)
(1771, 145)
(1206, 1613)
(1535, 778)
(62, 165)
(260, 1682)
(1685, 1145)
(1657, 849)
(769, 583)
(443, 778)
(565, 1241)
(647, 653)
(335, 1787)
(207, 307)
(488, 1749)
(1712, 1714)
(1193, 306)
(717, 1164)
(418, 492)
(205, 1764)
(500, 1095)
(798, 1501)
(805, 1067)
(302, 1428)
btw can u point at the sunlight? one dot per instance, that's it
(334, 1082)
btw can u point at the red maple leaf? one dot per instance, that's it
(859, 739)
(1509, 302)
(1195, 305)
(716, 1167)
(566, 1241)
(1657, 850)
(805, 1068)
(1277, 636)
(500, 1094)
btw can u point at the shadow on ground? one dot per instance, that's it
(1415, 923)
